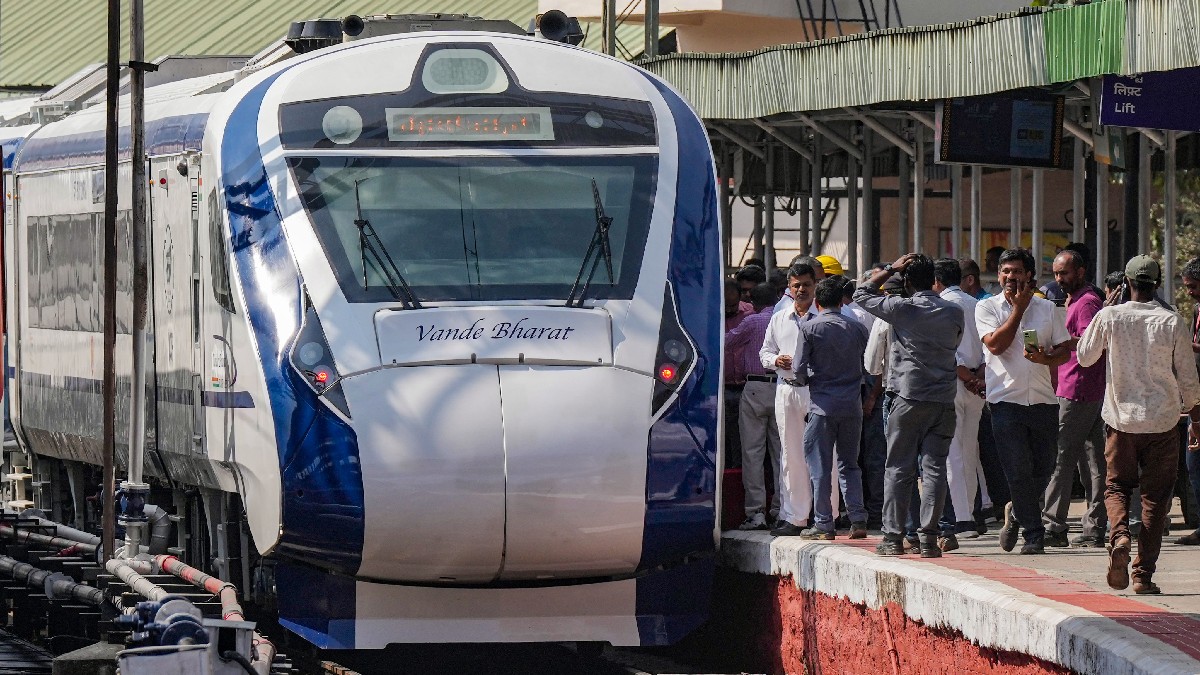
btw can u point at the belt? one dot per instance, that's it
(761, 378)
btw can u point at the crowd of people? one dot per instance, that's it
(927, 401)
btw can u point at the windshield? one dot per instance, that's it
(477, 228)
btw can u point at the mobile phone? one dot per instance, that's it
(1031, 340)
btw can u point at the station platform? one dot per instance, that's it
(838, 607)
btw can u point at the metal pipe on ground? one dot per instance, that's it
(60, 543)
(63, 531)
(55, 585)
(264, 649)
(131, 571)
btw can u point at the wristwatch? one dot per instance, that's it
(887, 268)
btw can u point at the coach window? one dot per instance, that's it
(218, 263)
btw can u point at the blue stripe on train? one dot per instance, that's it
(681, 473)
(318, 452)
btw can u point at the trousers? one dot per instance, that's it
(962, 463)
(760, 442)
(795, 490)
(1080, 444)
(821, 433)
(1027, 442)
(1151, 462)
(916, 427)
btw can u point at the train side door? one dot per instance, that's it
(217, 375)
(176, 326)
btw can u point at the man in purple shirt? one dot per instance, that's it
(735, 377)
(756, 415)
(1080, 429)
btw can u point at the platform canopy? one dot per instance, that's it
(1034, 47)
(851, 120)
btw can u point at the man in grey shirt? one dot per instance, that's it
(925, 332)
(829, 360)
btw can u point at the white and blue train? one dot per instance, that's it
(438, 315)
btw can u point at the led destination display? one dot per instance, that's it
(469, 124)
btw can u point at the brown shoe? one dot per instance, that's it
(1118, 564)
(858, 530)
(1146, 587)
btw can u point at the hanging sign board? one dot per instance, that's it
(1000, 131)
(1163, 100)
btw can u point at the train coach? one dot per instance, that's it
(435, 326)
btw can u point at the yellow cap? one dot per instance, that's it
(830, 264)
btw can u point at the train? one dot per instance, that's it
(434, 336)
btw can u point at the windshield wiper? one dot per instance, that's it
(368, 241)
(599, 248)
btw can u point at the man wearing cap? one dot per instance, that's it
(1024, 337)
(1151, 379)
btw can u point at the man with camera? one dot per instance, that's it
(925, 332)
(1151, 379)
(1024, 338)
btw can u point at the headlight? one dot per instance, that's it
(312, 359)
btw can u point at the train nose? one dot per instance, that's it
(431, 450)
(473, 473)
(500, 445)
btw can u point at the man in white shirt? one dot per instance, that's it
(962, 464)
(791, 403)
(1151, 378)
(1019, 392)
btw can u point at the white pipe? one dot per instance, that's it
(160, 528)
(63, 531)
(919, 192)
(124, 570)
(976, 212)
(1169, 218)
(1039, 225)
(1014, 207)
(1078, 196)
(956, 231)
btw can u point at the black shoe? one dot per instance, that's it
(947, 543)
(858, 530)
(1032, 548)
(787, 529)
(1088, 541)
(930, 551)
(890, 547)
(1008, 533)
(980, 526)
(1056, 539)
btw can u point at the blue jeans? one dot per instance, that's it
(1193, 469)
(821, 433)
(1027, 442)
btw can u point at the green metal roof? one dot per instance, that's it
(44, 41)
(1032, 47)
